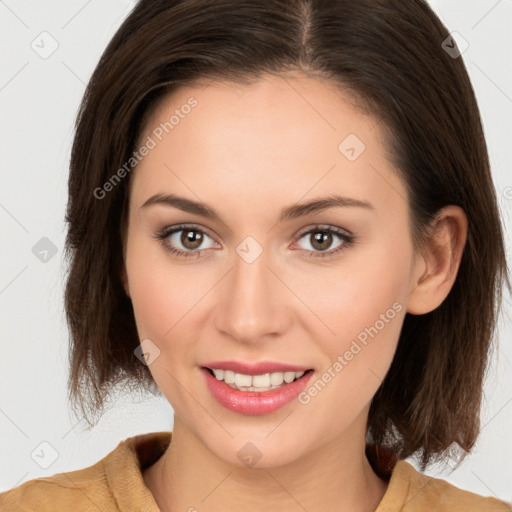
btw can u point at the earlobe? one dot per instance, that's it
(436, 269)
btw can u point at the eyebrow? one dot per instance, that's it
(288, 213)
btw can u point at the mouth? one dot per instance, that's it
(255, 393)
(258, 382)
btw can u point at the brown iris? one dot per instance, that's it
(191, 238)
(322, 240)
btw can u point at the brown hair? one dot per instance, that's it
(387, 53)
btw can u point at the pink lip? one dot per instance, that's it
(254, 403)
(255, 368)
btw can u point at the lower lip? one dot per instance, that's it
(254, 403)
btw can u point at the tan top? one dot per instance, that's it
(115, 483)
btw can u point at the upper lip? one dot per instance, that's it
(255, 368)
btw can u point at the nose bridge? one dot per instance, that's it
(251, 305)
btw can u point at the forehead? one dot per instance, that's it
(278, 139)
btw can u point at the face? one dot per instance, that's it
(322, 289)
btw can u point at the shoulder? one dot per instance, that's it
(409, 490)
(84, 489)
(74, 490)
(113, 483)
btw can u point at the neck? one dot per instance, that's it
(336, 476)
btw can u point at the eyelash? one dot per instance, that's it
(348, 240)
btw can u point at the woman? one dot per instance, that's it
(279, 219)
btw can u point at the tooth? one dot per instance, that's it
(219, 374)
(229, 377)
(261, 381)
(276, 378)
(289, 376)
(243, 380)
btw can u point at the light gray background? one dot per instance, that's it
(38, 101)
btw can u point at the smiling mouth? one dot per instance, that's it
(261, 382)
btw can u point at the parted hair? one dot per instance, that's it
(392, 57)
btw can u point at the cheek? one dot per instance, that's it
(351, 295)
(161, 293)
(162, 300)
(358, 310)
(166, 308)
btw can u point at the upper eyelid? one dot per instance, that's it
(177, 228)
(319, 226)
(327, 227)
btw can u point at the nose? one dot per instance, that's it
(252, 304)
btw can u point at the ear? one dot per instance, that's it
(436, 268)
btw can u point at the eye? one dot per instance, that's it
(186, 240)
(183, 240)
(320, 238)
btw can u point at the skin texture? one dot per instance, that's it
(248, 151)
